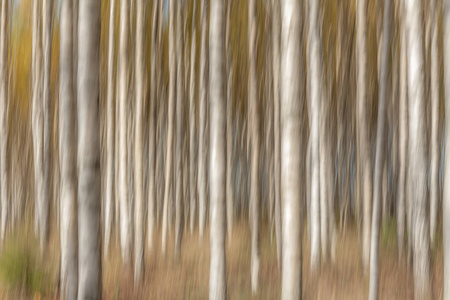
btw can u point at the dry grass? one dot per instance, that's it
(187, 278)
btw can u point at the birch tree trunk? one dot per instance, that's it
(434, 159)
(152, 127)
(171, 111)
(379, 156)
(229, 98)
(313, 63)
(403, 137)
(139, 235)
(192, 166)
(179, 199)
(89, 186)
(363, 129)
(418, 152)
(125, 224)
(202, 172)
(37, 120)
(47, 46)
(276, 99)
(217, 167)
(68, 157)
(110, 129)
(253, 105)
(291, 158)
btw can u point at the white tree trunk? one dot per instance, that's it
(276, 99)
(217, 166)
(171, 112)
(229, 108)
(192, 166)
(291, 158)
(379, 156)
(417, 152)
(255, 196)
(110, 130)
(434, 159)
(363, 129)
(139, 233)
(68, 157)
(47, 46)
(202, 172)
(313, 63)
(125, 224)
(179, 199)
(89, 186)
(37, 115)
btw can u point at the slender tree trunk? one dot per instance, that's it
(217, 166)
(89, 186)
(403, 137)
(276, 98)
(229, 80)
(37, 114)
(363, 128)
(139, 233)
(125, 224)
(379, 156)
(47, 46)
(152, 127)
(255, 196)
(315, 79)
(434, 159)
(192, 166)
(291, 158)
(202, 172)
(171, 112)
(179, 199)
(110, 129)
(418, 152)
(68, 157)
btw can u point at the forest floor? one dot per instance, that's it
(187, 278)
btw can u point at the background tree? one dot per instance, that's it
(217, 167)
(89, 191)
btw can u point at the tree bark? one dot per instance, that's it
(68, 157)
(313, 63)
(171, 111)
(110, 130)
(192, 166)
(89, 186)
(363, 129)
(418, 152)
(434, 159)
(379, 156)
(217, 167)
(47, 46)
(276, 99)
(125, 224)
(202, 172)
(179, 199)
(139, 233)
(291, 158)
(253, 105)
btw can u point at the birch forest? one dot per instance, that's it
(225, 149)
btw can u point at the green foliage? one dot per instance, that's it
(20, 268)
